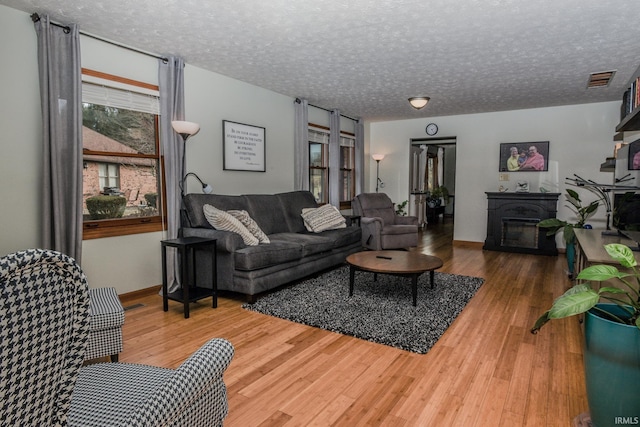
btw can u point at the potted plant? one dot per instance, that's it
(554, 224)
(612, 336)
(438, 196)
(400, 208)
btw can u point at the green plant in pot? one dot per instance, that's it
(612, 336)
(437, 195)
(568, 229)
(400, 208)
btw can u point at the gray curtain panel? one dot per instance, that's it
(334, 158)
(301, 145)
(359, 156)
(61, 98)
(171, 84)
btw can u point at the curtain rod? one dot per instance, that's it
(298, 100)
(35, 18)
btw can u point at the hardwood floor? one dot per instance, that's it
(486, 370)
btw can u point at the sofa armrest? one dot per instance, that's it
(371, 227)
(227, 241)
(195, 394)
(372, 221)
(406, 220)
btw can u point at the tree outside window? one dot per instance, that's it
(121, 163)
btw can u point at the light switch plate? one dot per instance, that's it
(504, 177)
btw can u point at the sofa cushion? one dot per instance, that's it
(311, 243)
(256, 257)
(326, 217)
(343, 237)
(399, 229)
(194, 204)
(252, 226)
(224, 221)
(267, 212)
(292, 204)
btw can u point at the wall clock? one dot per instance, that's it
(432, 129)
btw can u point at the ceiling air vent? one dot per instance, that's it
(601, 79)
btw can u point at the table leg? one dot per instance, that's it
(414, 288)
(352, 274)
(165, 298)
(432, 274)
(185, 279)
(214, 303)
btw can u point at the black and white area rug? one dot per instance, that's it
(380, 311)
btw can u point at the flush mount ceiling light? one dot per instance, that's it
(600, 79)
(418, 102)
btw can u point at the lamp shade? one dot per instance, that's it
(185, 128)
(377, 157)
(419, 102)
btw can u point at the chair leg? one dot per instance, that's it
(114, 358)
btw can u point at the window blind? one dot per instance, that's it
(120, 98)
(318, 136)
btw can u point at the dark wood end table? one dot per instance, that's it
(189, 291)
(397, 263)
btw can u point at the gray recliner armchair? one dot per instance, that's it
(382, 228)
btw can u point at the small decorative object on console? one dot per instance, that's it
(522, 187)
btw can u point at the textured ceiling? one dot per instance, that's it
(367, 57)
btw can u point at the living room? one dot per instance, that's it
(581, 137)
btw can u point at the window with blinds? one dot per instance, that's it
(347, 170)
(121, 156)
(319, 164)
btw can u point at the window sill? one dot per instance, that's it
(121, 227)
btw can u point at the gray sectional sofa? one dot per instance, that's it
(293, 253)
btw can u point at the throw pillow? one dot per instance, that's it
(221, 220)
(326, 217)
(252, 226)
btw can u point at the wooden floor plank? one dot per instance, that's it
(486, 370)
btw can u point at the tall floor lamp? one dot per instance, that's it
(186, 130)
(377, 158)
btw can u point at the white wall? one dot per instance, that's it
(580, 137)
(212, 98)
(20, 134)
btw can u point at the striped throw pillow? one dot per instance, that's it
(220, 220)
(252, 226)
(326, 217)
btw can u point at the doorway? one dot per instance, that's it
(432, 171)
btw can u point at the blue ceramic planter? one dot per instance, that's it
(612, 369)
(571, 257)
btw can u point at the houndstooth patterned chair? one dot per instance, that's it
(105, 326)
(125, 394)
(44, 328)
(44, 325)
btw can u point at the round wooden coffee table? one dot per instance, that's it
(397, 263)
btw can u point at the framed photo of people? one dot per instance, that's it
(243, 147)
(634, 156)
(524, 156)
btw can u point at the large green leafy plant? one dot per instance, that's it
(583, 297)
(582, 212)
